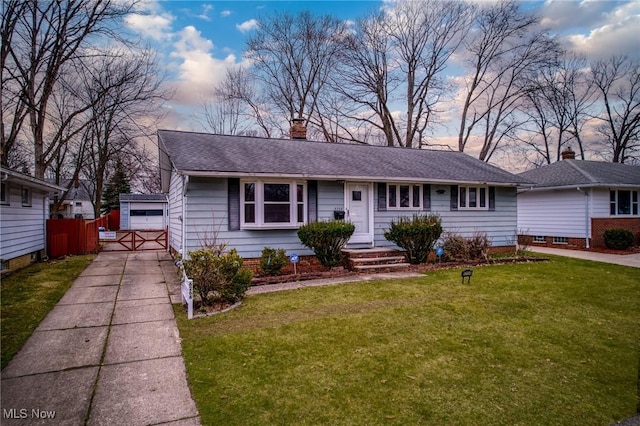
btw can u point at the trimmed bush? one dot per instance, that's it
(217, 277)
(618, 239)
(272, 261)
(326, 239)
(416, 235)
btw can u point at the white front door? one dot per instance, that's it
(359, 211)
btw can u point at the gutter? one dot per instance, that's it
(200, 173)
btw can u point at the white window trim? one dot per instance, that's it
(477, 187)
(7, 194)
(411, 206)
(637, 203)
(560, 240)
(259, 204)
(29, 202)
(539, 239)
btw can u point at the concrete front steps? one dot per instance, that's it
(375, 260)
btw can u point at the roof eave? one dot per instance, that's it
(534, 188)
(29, 181)
(205, 173)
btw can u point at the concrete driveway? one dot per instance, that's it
(632, 260)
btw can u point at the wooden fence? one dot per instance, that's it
(73, 236)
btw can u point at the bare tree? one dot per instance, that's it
(40, 41)
(558, 103)
(504, 48)
(292, 57)
(123, 90)
(618, 83)
(236, 106)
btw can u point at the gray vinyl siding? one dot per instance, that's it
(22, 229)
(330, 198)
(176, 215)
(206, 210)
(499, 225)
(206, 215)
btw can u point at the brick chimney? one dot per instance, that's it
(568, 154)
(298, 129)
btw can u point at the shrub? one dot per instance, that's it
(416, 235)
(217, 277)
(326, 239)
(618, 239)
(272, 261)
(455, 247)
(479, 246)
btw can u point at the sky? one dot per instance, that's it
(197, 40)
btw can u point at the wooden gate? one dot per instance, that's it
(136, 241)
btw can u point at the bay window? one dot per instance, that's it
(272, 204)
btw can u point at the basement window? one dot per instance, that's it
(560, 240)
(539, 239)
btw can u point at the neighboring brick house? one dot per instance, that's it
(574, 201)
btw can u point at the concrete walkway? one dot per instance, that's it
(108, 353)
(632, 260)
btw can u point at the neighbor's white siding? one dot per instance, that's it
(176, 214)
(22, 229)
(557, 213)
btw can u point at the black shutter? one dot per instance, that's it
(492, 198)
(426, 197)
(312, 203)
(233, 190)
(382, 196)
(454, 197)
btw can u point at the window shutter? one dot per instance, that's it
(492, 198)
(312, 203)
(426, 197)
(382, 196)
(454, 197)
(233, 189)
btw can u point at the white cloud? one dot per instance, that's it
(596, 27)
(157, 27)
(198, 71)
(246, 26)
(225, 13)
(206, 8)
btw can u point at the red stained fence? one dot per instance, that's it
(73, 236)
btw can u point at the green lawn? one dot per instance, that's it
(552, 343)
(27, 296)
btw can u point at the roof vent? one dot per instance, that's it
(298, 129)
(568, 154)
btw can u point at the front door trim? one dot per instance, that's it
(365, 238)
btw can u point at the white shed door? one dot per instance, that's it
(146, 216)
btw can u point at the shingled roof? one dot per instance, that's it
(573, 173)
(201, 154)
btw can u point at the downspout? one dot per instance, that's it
(183, 243)
(587, 219)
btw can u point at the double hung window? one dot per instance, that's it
(404, 196)
(473, 198)
(623, 202)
